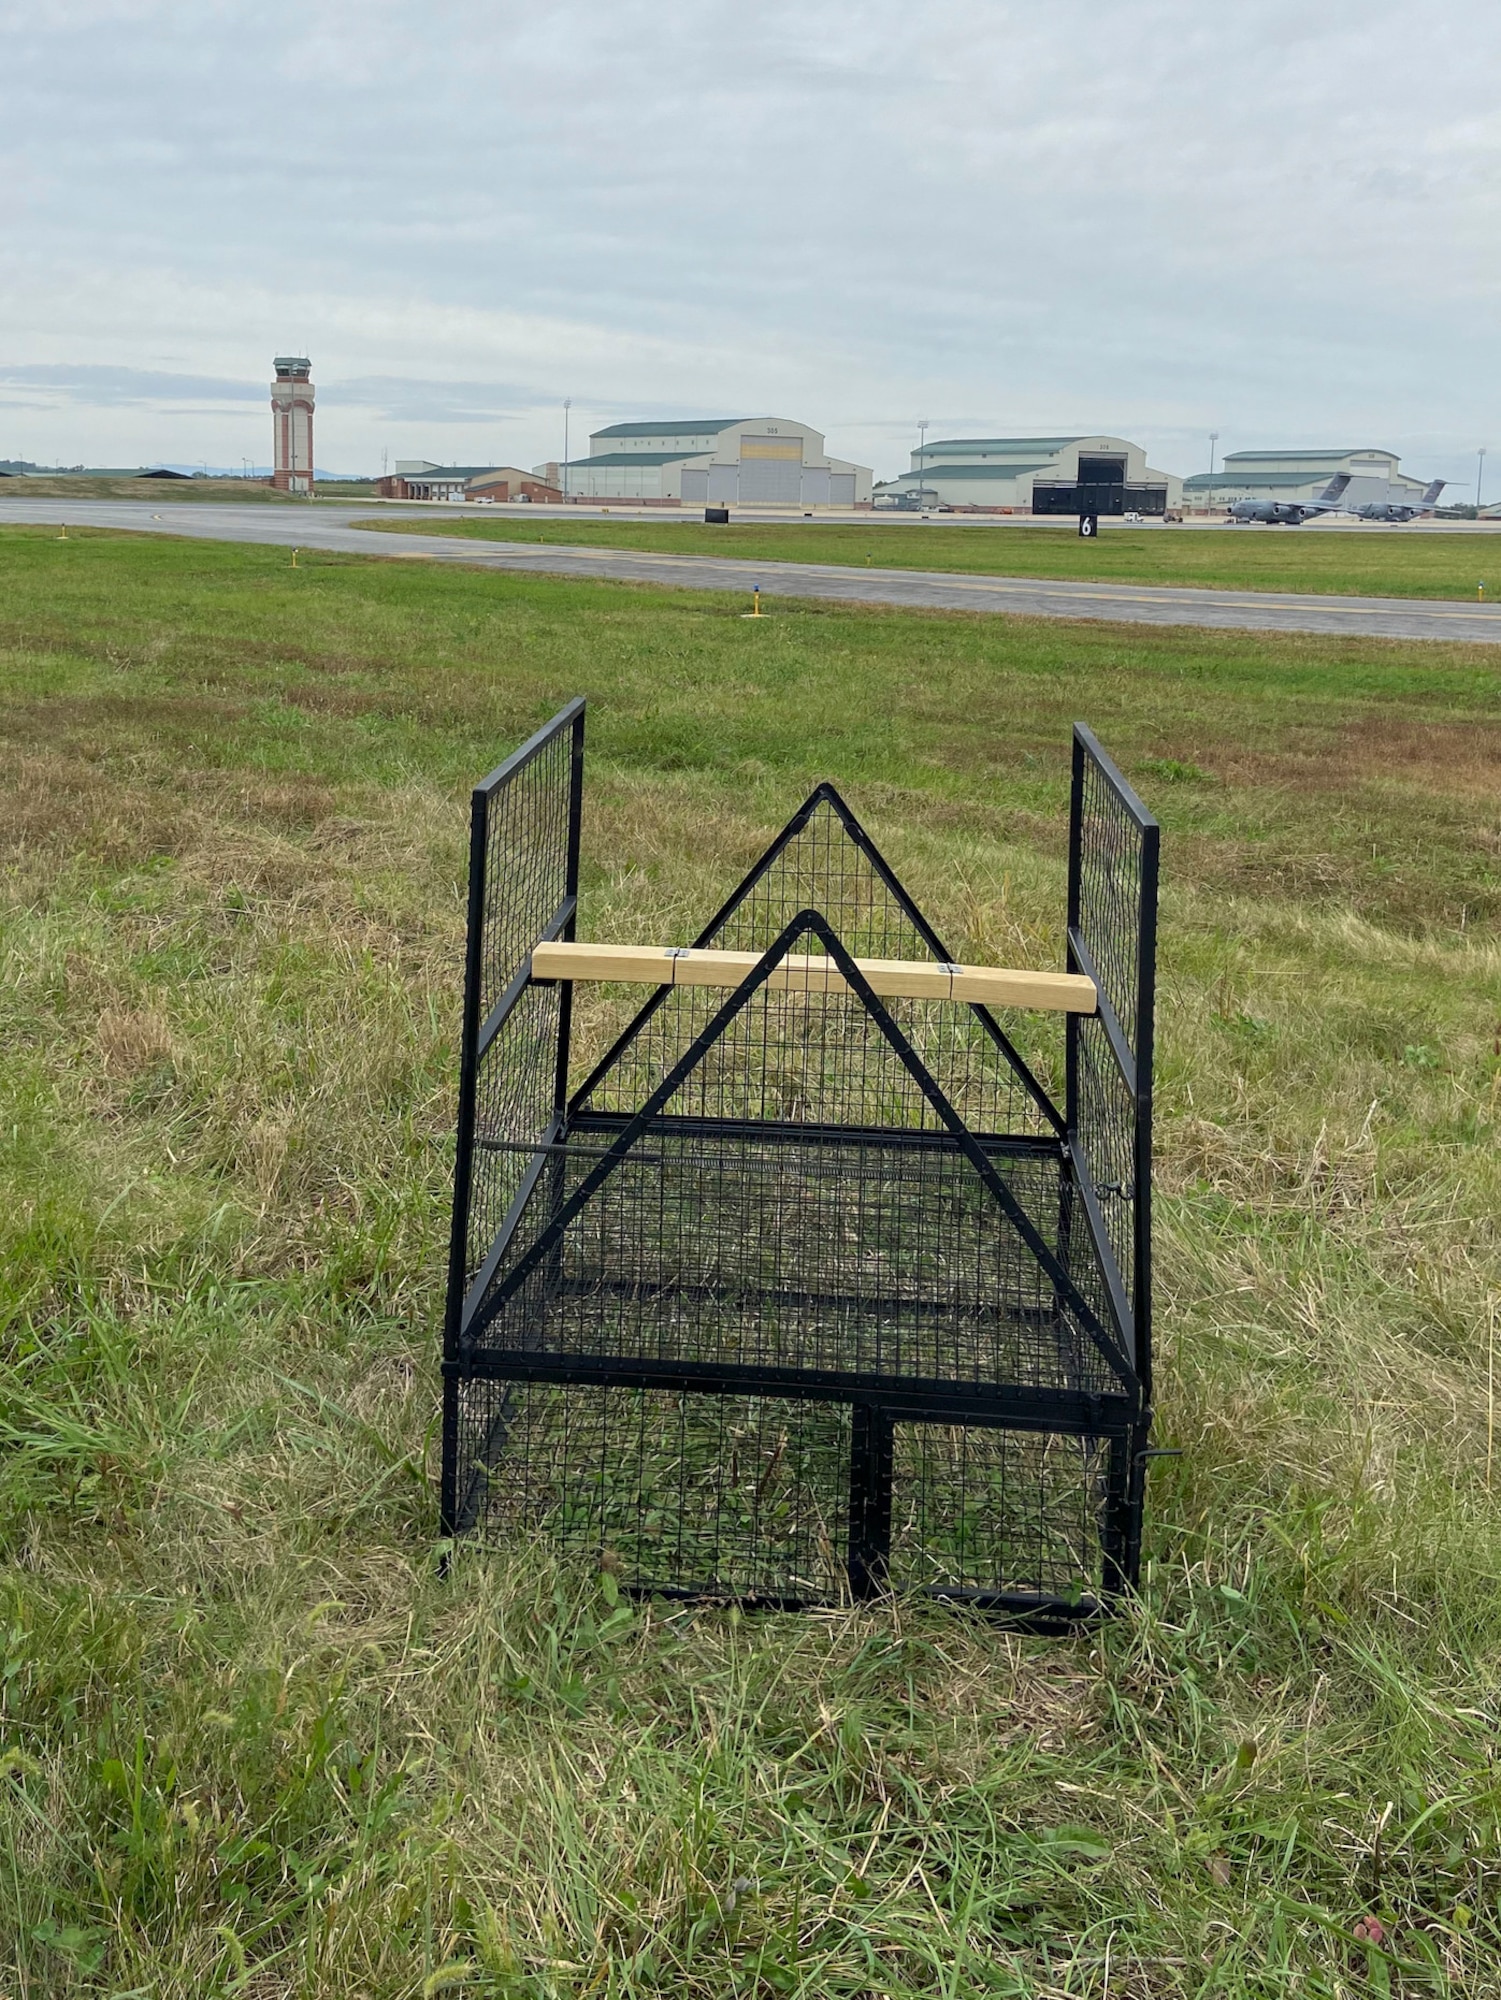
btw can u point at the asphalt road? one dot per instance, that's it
(322, 526)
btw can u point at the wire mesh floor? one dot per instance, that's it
(882, 1258)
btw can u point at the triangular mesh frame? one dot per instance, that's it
(824, 860)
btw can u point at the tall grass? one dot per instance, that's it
(252, 1743)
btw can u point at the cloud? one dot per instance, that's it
(96, 386)
(1277, 222)
(399, 399)
(385, 398)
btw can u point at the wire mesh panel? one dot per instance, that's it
(825, 860)
(802, 1294)
(979, 1511)
(1112, 936)
(514, 1084)
(683, 1493)
(721, 1253)
(525, 820)
(523, 887)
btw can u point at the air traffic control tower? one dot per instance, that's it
(292, 420)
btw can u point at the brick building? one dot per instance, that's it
(419, 479)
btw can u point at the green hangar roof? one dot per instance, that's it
(448, 471)
(1012, 469)
(1316, 457)
(671, 427)
(1048, 445)
(634, 457)
(1197, 482)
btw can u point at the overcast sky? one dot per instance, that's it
(1278, 220)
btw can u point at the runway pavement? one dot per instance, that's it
(324, 526)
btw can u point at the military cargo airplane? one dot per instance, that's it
(1291, 513)
(1402, 510)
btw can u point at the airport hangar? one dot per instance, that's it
(1033, 475)
(713, 461)
(1375, 475)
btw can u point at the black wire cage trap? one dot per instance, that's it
(810, 1288)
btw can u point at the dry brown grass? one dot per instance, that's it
(1446, 757)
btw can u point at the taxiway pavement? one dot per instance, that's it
(330, 527)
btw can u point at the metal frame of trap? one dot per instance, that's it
(884, 1326)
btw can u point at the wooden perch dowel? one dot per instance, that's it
(890, 978)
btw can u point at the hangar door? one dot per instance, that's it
(1099, 489)
(771, 469)
(1102, 485)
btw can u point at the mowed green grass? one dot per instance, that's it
(1370, 562)
(253, 1743)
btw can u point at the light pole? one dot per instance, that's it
(1479, 473)
(567, 406)
(922, 460)
(1214, 438)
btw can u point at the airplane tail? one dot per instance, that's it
(1334, 491)
(1431, 492)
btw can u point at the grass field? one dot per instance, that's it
(1368, 563)
(253, 1745)
(83, 486)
